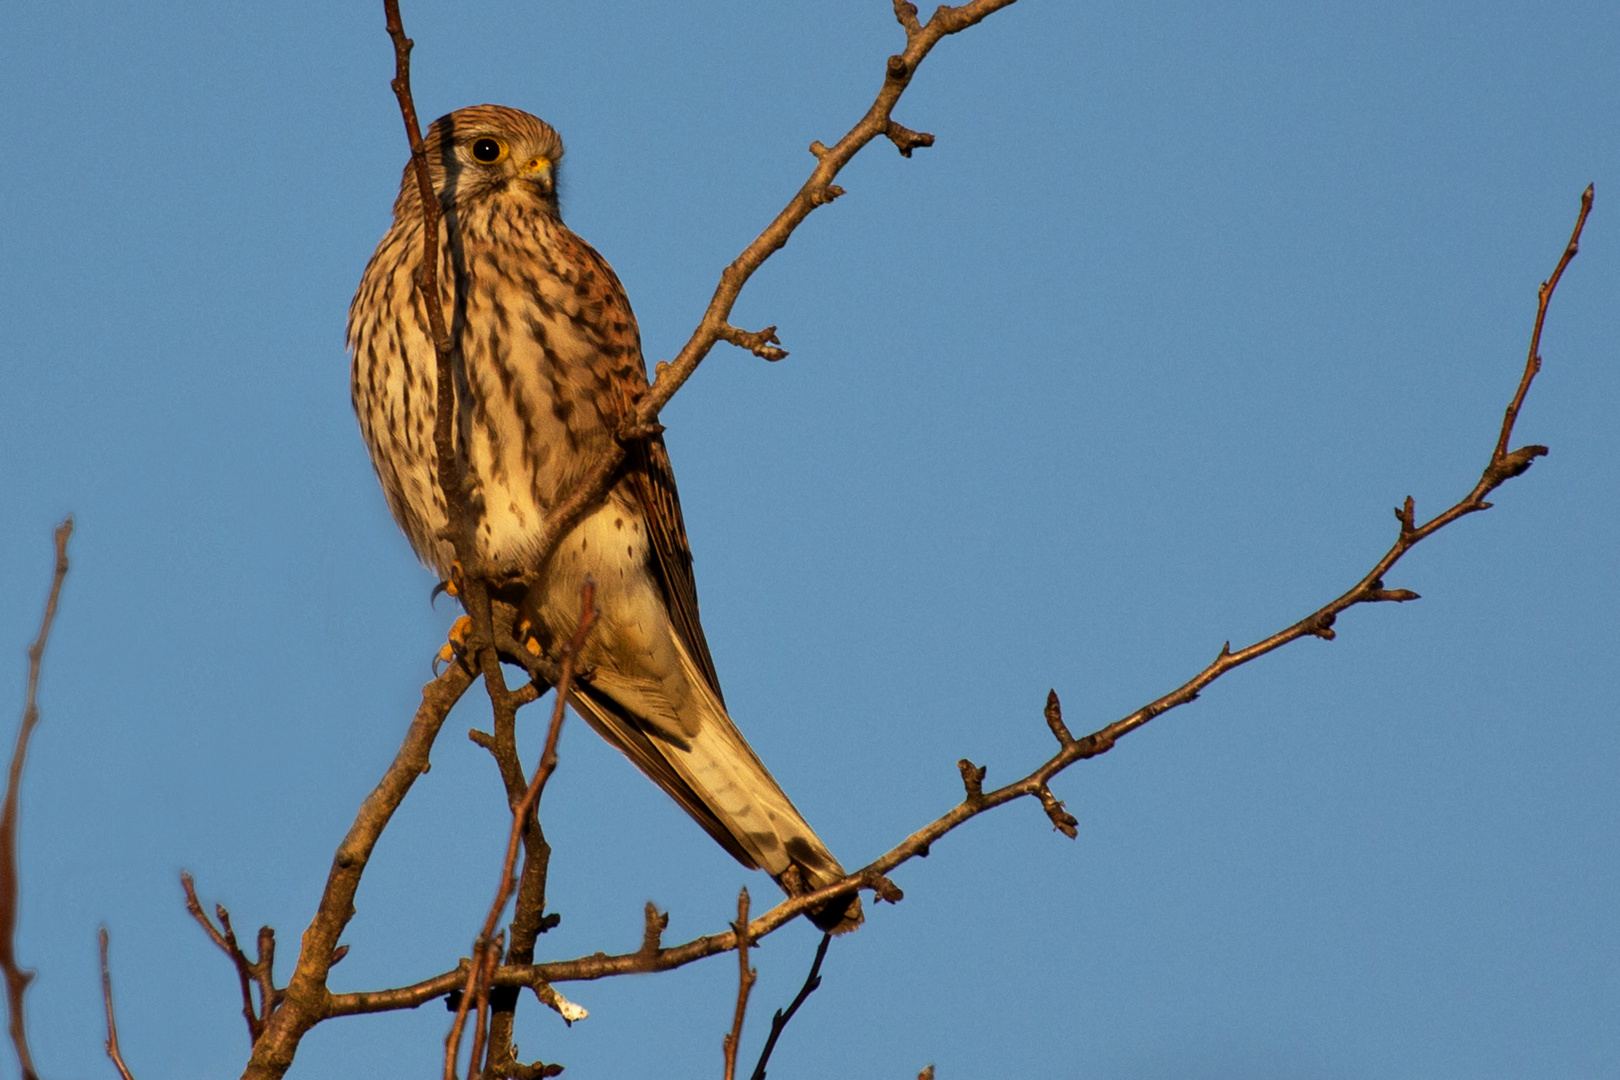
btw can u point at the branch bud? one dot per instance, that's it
(972, 780)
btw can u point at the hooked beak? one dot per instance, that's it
(538, 170)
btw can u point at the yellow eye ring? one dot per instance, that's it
(488, 150)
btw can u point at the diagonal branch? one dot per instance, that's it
(249, 973)
(17, 980)
(113, 1051)
(306, 1001)
(1501, 466)
(449, 470)
(715, 326)
(485, 947)
(779, 1021)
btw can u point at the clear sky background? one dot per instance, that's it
(1135, 360)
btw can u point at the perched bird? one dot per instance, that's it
(548, 367)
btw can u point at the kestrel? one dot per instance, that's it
(549, 366)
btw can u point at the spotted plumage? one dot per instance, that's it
(548, 366)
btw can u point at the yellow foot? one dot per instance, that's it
(460, 631)
(525, 633)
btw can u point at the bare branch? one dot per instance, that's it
(1054, 719)
(745, 986)
(762, 343)
(779, 1021)
(306, 1001)
(246, 971)
(492, 955)
(652, 935)
(113, 1052)
(972, 779)
(818, 190)
(449, 468)
(1532, 363)
(486, 952)
(17, 979)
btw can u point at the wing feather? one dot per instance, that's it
(621, 731)
(653, 482)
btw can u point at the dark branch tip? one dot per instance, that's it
(972, 779)
(824, 195)
(1063, 821)
(906, 140)
(1054, 719)
(886, 890)
(1515, 463)
(762, 343)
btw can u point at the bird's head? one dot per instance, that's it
(484, 151)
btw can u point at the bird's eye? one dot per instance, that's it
(488, 151)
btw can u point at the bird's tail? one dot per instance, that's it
(716, 777)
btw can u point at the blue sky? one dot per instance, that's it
(1136, 359)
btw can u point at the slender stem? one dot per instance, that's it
(779, 1021)
(745, 986)
(17, 980)
(816, 191)
(113, 1052)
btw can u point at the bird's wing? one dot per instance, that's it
(647, 470)
(653, 482)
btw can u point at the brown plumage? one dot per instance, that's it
(549, 365)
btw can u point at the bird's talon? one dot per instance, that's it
(460, 631)
(532, 646)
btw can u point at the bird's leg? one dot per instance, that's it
(792, 881)
(523, 634)
(460, 631)
(451, 586)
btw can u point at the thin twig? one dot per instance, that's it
(449, 471)
(249, 973)
(306, 1001)
(780, 1020)
(745, 986)
(1544, 297)
(715, 326)
(17, 979)
(520, 816)
(112, 1025)
(475, 1060)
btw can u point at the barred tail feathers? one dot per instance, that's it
(717, 778)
